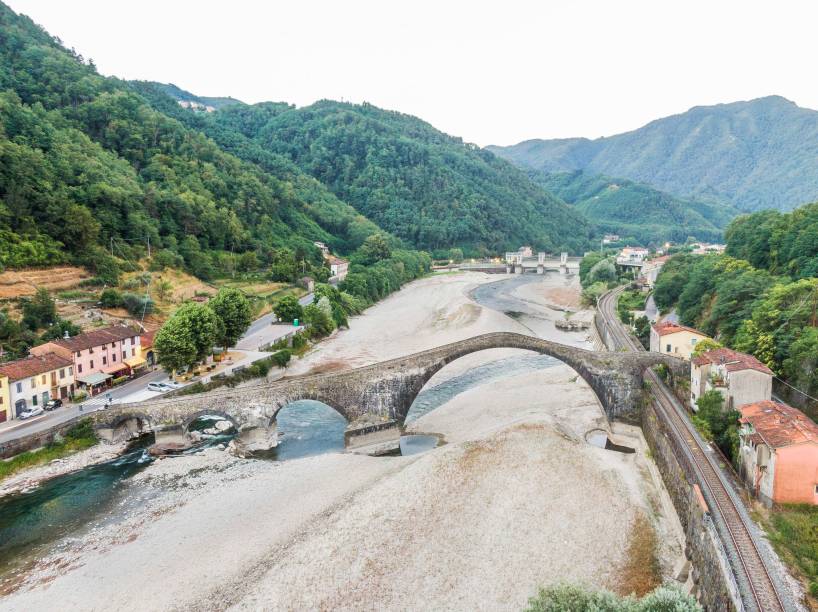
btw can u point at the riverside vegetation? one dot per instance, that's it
(77, 438)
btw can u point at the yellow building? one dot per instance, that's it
(5, 399)
(674, 339)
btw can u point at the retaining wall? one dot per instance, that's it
(36, 440)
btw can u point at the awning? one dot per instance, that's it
(93, 379)
(134, 362)
(114, 368)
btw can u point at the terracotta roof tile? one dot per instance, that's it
(32, 366)
(779, 424)
(666, 327)
(733, 361)
(97, 337)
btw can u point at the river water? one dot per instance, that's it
(31, 522)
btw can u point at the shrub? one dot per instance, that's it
(110, 298)
(137, 305)
(282, 358)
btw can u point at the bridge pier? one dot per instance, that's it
(540, 269)
(171, 435)
(509, 269)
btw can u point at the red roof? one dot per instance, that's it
(32, 366)
(733, 361)
(146, 339)
(779, 424)
(97, 337)
(666, 328)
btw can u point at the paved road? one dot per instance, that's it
(268, 319)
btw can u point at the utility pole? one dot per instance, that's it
(149, 246)
(112, 246)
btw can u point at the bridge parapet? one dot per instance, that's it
(386, 389)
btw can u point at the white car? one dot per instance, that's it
(31, 412)
(158, 387)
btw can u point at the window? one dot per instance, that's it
(33, 383)
(43, 379)
(19, 387)
(79, 368)
(113, 356)
(79, 353)
(133, 352)
(124, 355)
(62, 373)
(113, 344)
(34, 399)
(92, 364)
(668, 349)
(71, 371)
(816, 489)
(90, 351)
(104, 360)
(693, 341)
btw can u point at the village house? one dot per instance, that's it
(338, 268)
(323, 248)
(779, 453)
(609, 238)
(740, 378)
(34, 380)
(632, 257)
(99, 355)
(702, 248)
(674, 339)
(5, 399)
(526, 251)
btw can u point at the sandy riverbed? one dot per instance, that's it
(515, 500)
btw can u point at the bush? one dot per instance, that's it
(568, 598)
(288, 309)
(137, 305)
(282, 358)
(119, 380)
(110, 298)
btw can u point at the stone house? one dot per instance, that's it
(778, 453)
(674, 339)
(99, 355)
(338, 268)
(34, 380)
(740, 378)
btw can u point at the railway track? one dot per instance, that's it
(749, 565)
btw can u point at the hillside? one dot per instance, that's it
(88, 166)
(754, 155)
(637, 211)
(426, 187)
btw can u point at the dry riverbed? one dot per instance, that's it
(516, 499)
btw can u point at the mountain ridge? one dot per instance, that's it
(753, 154)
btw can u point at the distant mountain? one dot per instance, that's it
(205, 102)
(635, 210)
(431, 189)
(754, 155)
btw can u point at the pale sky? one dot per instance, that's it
(490, 72)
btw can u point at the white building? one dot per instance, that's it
(632, 256)
(338, 268)
(740, 378)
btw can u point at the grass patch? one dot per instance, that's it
(793, 531)
(79, 437)
(641, 573)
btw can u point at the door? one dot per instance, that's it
(45, 397)
(19, 406)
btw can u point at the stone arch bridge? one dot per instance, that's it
(385, 389)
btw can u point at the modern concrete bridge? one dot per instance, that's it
(518, 263)
(384, 389)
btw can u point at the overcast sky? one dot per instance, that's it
(491, 72)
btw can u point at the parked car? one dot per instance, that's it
(171, 384)
(158, 387)
(53, 404)
(31, 412)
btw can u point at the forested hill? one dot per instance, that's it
(636, 211)
(757, 154)
(429, 188)
(85, 159)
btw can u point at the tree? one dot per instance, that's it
(603, 272)
(588, 262)
(374, 249)
(163, 288)
(456, 255)
(188, 336)
(318, 321)
(39, 311)
(702, 346)
(288, 309)
(642, 329)
(233, 308)
(248, 261)
(60, 329)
